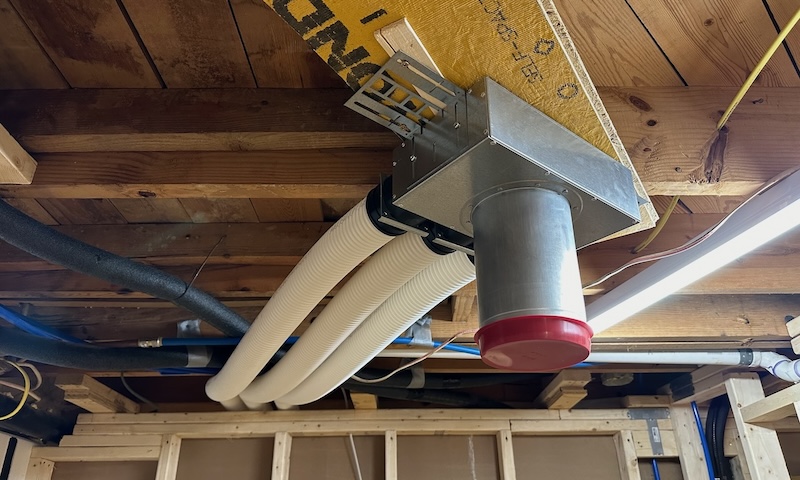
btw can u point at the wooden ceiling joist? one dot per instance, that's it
(16, 166)
(253, 258)
(128, 120)
(679, 322)
(667, 131)
(330, 173)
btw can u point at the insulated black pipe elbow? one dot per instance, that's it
(82, 356)
(39, 240)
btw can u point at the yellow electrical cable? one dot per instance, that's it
(727, 115)
(660, 225)
(26, 390)
(757, 69)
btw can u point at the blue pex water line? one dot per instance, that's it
(233, 341)
(656, 472)
(29, 325)
(703, 441)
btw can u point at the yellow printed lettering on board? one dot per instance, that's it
(508, 40)
(512, 41)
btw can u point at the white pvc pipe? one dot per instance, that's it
(778, 365)
(417, 297)
(775, 363)
(384, 273)
(340, 250)
(675, 358)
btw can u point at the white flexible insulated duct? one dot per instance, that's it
(352, 239)
(234, 404)
(417, 297)
(389, 269)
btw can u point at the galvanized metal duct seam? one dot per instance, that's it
(339, 251)
(423, 292)
(388, 270)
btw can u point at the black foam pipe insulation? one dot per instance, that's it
(39, 240)
(82, 356)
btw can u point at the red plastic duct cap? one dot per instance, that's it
(534, 343)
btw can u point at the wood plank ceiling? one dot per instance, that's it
(164, 126)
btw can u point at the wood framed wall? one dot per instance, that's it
(396, 442)
(160, 438)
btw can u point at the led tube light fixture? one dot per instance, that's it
(766, 216)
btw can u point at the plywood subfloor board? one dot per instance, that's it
(289, 174)
(668, 132)
(187, 244)
(783, 10)
(23, 63)
(151, 210)
(220, 210)
(715, 42)
(279, 210)
(32, 208)
(614, 45)
(180, 120)
(193, 43)
(89, 41)
(278, 55)
(82, 211)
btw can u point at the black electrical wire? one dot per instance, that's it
(439, 397)
(715, 434)
(725, 472)
(39, 240)
(137, 395)
(16, 343)
(443, 381)
(710, 432)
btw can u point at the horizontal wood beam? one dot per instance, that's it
(253, 259)
(178, 120)
(668, 132)
(779, 405)
(91, 395)
(187, 244)
(331, 173)
(16, 166)
(678, 322)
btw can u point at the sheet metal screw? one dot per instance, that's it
(456, 125)
(413, 157)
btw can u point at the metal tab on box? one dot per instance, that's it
(404, 96)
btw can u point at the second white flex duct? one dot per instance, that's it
(352, 239)
(417, 297)
(389, 269)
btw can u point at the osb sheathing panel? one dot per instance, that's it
(522, 44)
